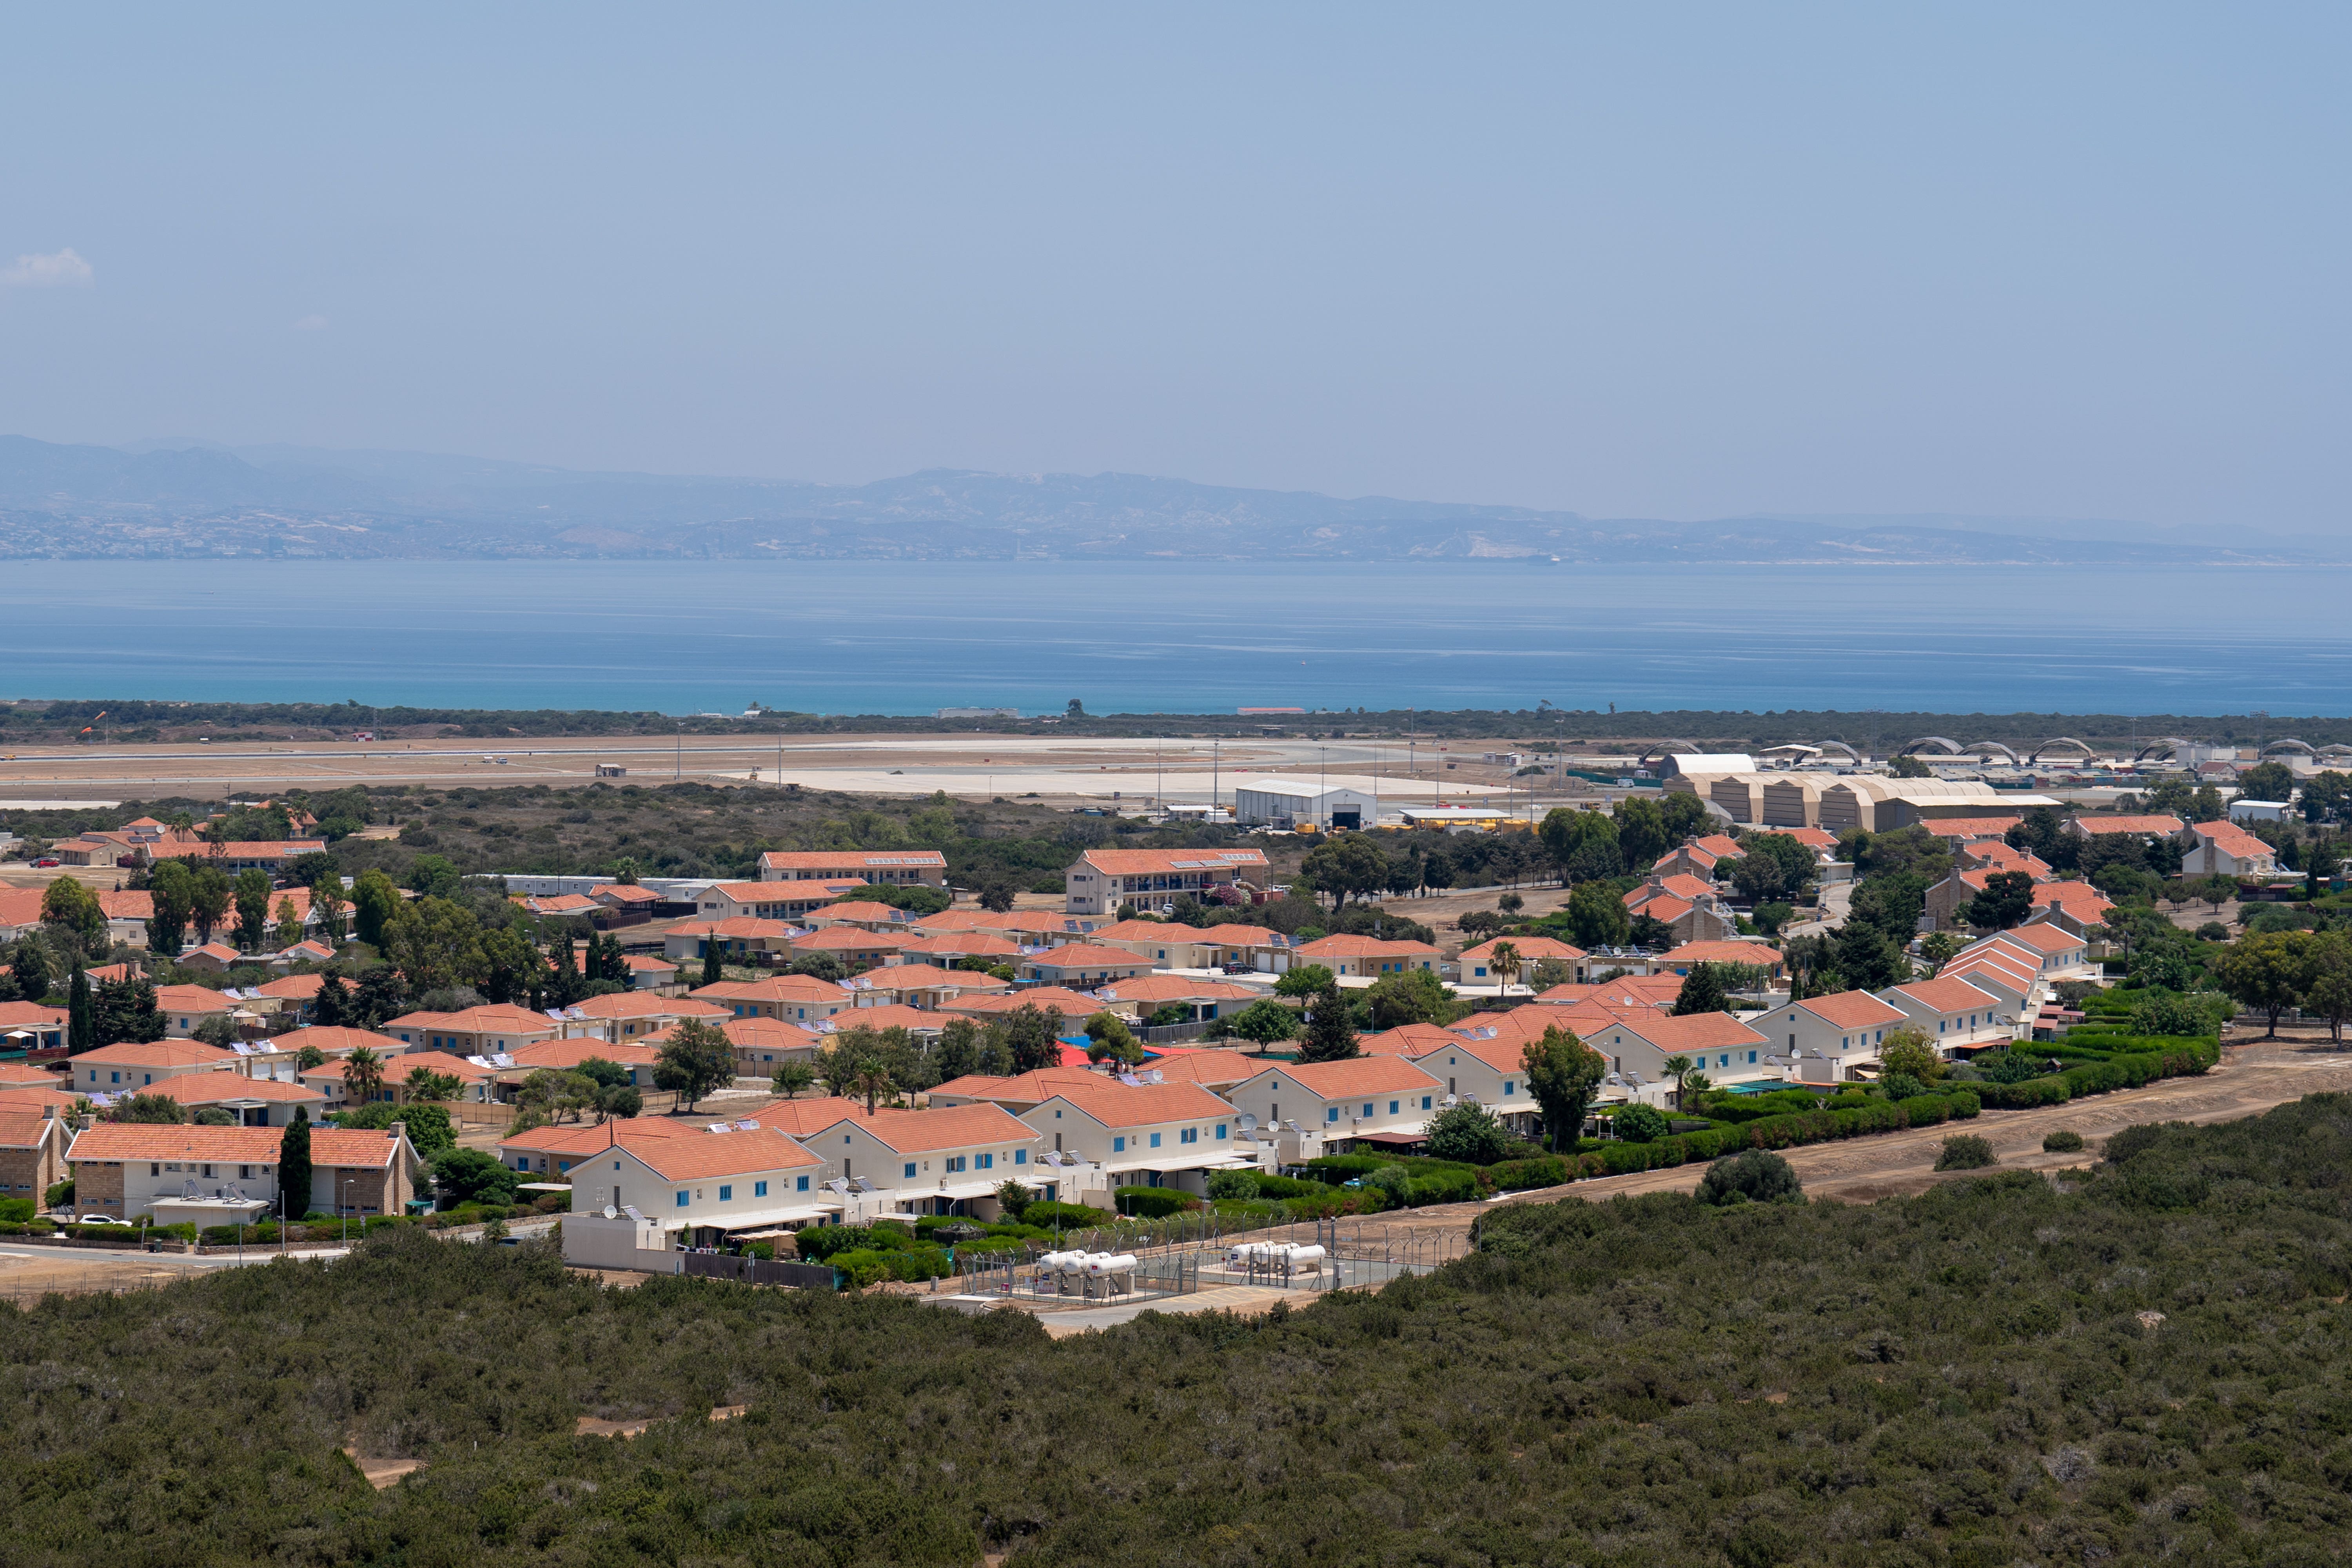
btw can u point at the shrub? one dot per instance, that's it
(1392, 1183)
(15, 1211)
(2061, 1141)
(1153, 1203)
(58, 1195)
(1230, 1186)
(860, 1266)
(1966, 1152)
(2023, 1096)
(1927, 1109)
(1902, 1086)
(2008, 1066)
(1526, 1176)
(1467, 1134)
(1753, 1177)
(1068, 1216)
(1639, 1124)
(1964, 1102)
(1014, 1199)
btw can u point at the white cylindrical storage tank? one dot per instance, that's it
(1103, 1263)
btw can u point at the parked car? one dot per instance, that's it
(47, 861)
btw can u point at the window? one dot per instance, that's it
(954, 1162)
(154, 1169)
(1020, 1156)
(983, 1162)
(759, 1189)
(1425, 1103)
(800, 1185)
(522, 1161)
(1724, 1060)
(727, 1194)
(114, 1078)
(1393, 1107)
(1190, 1135)
(1332, 1114)
(1118, 1146)
(1368, 1108)
(616, 1165)
(1510, 1088)
(681, 1200)
(1220, 1131)
(1155, 1139)
(910, 1170)
(1751, 1059)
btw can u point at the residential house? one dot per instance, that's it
(626, 898)
(266, 855)
(1151, 1135)
(1750, 955)
(215, 1175)
(1376, 1099)
(1029, 928)
(2055, 953)
(1827, 1038)
(333, 1042)
(734, 1179)
(951, 948)
(763, 1044)
(901, 868)
(950, 1160)
(801, 999)
(1024, 1092)
(1099, 880)
(33, 1142)
(558, 905)
(648, 973)
(1955, 1013)
(2146, 826)
(1365, 956)
(1144, 995)
(1717, 1043)
(254, 1101)
(759, 901)
(214, 958)
(551, 1150)
(741, 937)
(1482, 1064)
(1072, 1005)
(1479, 968)
(2224, 849)
(861, 912)
(1214, 1067)
(636, 1058)
(2076, 908)
(849, 945)
(186, 1007)
(1960, 832)
(484, 1031)
(1081, 965)
(920, 985)
(1690, 911)
(622, 1015)
(1406, 1040)
(130, 1066)
(924, 1023)
(30, 1026)
(1698, 858)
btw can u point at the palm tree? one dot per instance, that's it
(363, 1074)
(1503, 957)
(1688, 1080)
(873, 1081)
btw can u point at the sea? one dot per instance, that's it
(1177, 637)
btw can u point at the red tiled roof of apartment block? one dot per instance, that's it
(732, 1154)
(954, 1126)
(2093, 902)
(1346, 946)
(1144, 930)
(589, 1138)
(1717, 844)
(1174, 988)
(764, 1034)
(1502, 1051)
(923, 977)
(24, 1014)
(490, 1018)
(835, 859)
(645, 964)
(1814, 838)
(1690, 852)
(557, 903)
(847, 939)
(218, 951)
(646, 1005)
(25, 1127)
(2043, 939)
(806, 1118)
(1678, 886)
(123, 1141)
(1362, 1074)
(18, 1074)
(139, 904)
(774, 988)
(294, 987)
(735, 928)
(1204, 1067)
(1022, 1088)
(1691, 1031)
(397, 1069)
(1852, 1010)
(623, 893)
(1071, 1003)
(1115, 1104)
(213, 1088)
(854, 910)
(2230, 839)
(561, 1055)
(1162, 862)
(891, 1016)
(158, 1054)
(241, 849)
(1755, 952)
(2099, 825)
(1044, 922)
(1237, 935)
(1662, 907)
(1945, 995)
(1531, 950)
(335, 1041)
(961, 944)
(1404, 1040)
(1086, 955)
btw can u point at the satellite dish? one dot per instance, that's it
(611, 1213)
(1248, 1122)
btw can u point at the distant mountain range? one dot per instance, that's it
(193, 500)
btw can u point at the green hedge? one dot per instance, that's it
(1068, 1216)
(2023, 1096)
(1526, 1176)
(1153, 1203)
(1338, 1170)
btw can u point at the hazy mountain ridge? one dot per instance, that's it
(195, 501)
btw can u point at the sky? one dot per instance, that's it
(1697, 261)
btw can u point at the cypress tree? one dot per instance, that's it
(1330, 1028)
(1702, 992)
(294, 1167)
(712, 948)
(81, 1028)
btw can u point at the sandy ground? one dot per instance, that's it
(974, 765)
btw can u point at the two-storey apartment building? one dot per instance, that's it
(1100, 880)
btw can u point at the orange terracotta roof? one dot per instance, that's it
(561, 1055)
(953, 1127)
(1114, 1104)
(1173, 988)
(1086, 955)
(1070, 1003)
(733, 1154)
(1970, 826)
(2099, 825)
(2232, 839)
(213, 1088)
(1533, 949)
(1159, 862)
(1404, 1040)
(125, 1140)
(646, 1004)
(159, 1054)
(869, 860)
(1754, 953)
(1691, 1031)
(335, 1041)
(492, 1017)
(892, 1016)
(1852, 1010)
(1946, 994)
(848, 939)
(1362, 1074)
(1345, 946)
(962, 944)
(924, 976)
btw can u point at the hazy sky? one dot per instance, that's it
(1685, 261)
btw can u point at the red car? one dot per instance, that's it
(47, 861)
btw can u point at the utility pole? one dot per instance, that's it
(678, 760)
(1216, 767)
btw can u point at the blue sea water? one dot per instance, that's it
(1173, 637)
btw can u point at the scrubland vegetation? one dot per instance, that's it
(2142, 1361)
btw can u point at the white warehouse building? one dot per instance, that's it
(1281, 802)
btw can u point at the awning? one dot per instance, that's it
(739, 1220)
(1392, 1140)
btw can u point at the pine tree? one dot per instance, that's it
(81, 1026)
(294, 1166)
(1330, 1028)
(1702, 992)
(331, 1007)
(713, 948)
